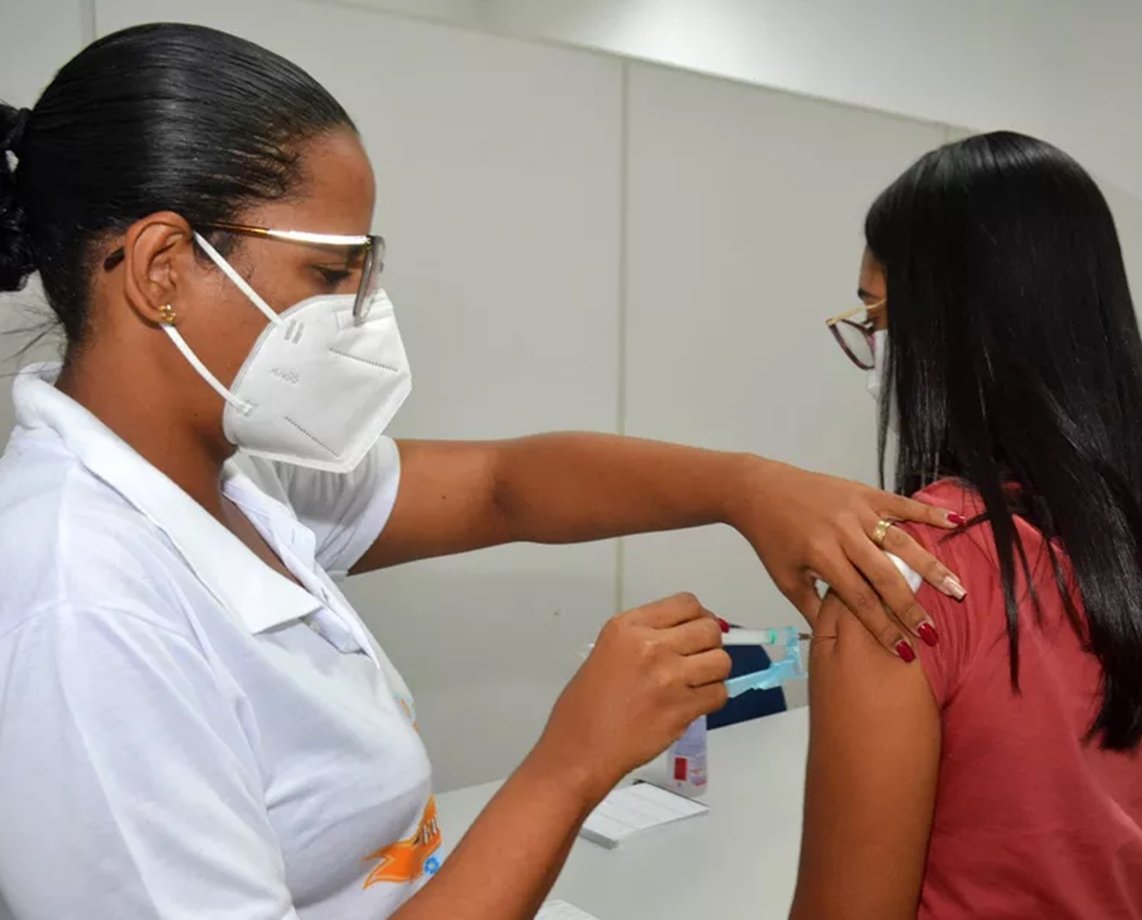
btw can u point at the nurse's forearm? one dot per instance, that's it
(568, 488)
(553, 488)
(505, 865)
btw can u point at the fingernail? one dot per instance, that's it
(723, 624)
(904, 650)
(927, 632)
(953, 588)
(955, 519)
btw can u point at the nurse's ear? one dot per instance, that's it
(159, 265)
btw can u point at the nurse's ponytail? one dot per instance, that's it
(16, 261)
(160, 117)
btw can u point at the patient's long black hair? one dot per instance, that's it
(1015, 363)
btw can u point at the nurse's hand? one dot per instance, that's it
(807, 527)
(652, 672)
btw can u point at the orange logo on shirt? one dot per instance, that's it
(406, 860)
(408, 712)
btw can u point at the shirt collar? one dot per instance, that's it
(250, 590)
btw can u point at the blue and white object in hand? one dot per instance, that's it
(790, 667)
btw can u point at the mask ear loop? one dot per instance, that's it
(203, 372)
(181, 344)
(230, 272)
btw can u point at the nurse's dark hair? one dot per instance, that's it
(1015, 364)
(152, 118)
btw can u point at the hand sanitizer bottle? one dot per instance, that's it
(686, 760)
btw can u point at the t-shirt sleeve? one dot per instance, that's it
(128, 783)
(346, 512)
(958, 623)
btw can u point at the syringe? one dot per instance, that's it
(782, 635)
(791, 667)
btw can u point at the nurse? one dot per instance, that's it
(193, 720)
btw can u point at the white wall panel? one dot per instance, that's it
(745, 211)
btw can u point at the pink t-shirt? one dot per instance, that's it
(1030, 821)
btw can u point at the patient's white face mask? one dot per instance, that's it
(874, 376)
(319, 387)
(874, 379)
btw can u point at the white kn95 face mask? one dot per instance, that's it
(319, 386)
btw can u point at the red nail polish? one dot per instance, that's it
(957, 519)
(904, 650)
(927, 632)
(723, 624)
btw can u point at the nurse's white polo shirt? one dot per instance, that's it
(185, 733)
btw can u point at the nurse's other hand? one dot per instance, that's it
(652, 672)
(807, 526)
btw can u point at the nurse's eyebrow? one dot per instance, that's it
(355, 257)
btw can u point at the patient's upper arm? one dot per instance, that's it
(874, 752)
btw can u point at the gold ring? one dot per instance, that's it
(880, 532)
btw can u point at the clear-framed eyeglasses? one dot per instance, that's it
(367, 249)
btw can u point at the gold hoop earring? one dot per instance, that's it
(167, 314)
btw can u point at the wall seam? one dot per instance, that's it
(623, 292)
(87, 22)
